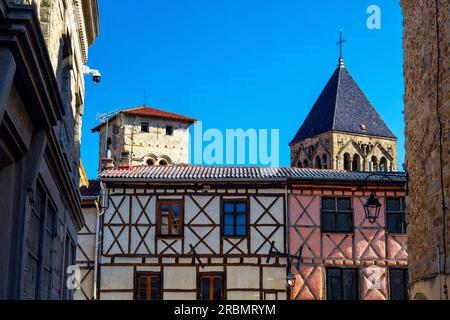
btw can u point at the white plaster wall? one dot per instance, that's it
(180, 278)
(243, 277)
(116, 277)
(274, 278)
(117, 296)
(180, 296)
(243, 295)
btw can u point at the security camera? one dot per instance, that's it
(96, 75)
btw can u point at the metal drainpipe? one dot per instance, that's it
(287, 233)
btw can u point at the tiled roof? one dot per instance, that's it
(189, 173)
(148, 112)
(92, 191)
(342, 106)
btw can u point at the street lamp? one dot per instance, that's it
(290, 277)
(372, 205)
(372, 208)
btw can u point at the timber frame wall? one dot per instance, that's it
(130, 245)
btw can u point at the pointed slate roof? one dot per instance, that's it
(342, 106)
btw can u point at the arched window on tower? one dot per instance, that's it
(299, 164)
(150, 162)
(374, 163)
(347, 162)
(383, 165)
(356, 164)
(324, 162)
(305, 164)
(317, 163)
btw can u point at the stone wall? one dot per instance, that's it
(331, 147)
(154, 146)
(427, 104)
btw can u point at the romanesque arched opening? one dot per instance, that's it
(299, 164)
(163, 162)
(347, 162)
(383, 164)
(318, 163)
(374, 162)
(305, 164)
(324, 161)
(356, 163)
(150, 162)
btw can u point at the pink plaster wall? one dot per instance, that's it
(369, 248)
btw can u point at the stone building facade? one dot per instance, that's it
(427, 116)
(343, 131)
(144, 136)
(43, 48)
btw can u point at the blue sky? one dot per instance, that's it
(241, 63)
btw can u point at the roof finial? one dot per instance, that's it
(340, 43)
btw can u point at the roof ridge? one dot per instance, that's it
(337, 94)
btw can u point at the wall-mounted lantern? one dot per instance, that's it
(290, 277)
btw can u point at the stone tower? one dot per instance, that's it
(343, 131)
(144, 136)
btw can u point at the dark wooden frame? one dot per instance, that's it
(147, 274)
(222, 217)
(169, 202)
(352, 214)
(402, 215)
(201, 275)
(341, 270)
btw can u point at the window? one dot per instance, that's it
(116, 129)
(147, 286)
(169, 130)
(395, 214)
(38, 263)
(235, 218)
(170, 218)
(337, 215)
(211, 286)
(144, 127)
(347, 162)
(342, 284)
(398, 280)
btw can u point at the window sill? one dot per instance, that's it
(173, 237)
(338, 232)
(234, 237)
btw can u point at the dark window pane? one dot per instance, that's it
(205, 288)
(334, 284)
(217, 293)
(349, 283)
(241, 231)
(241, 207)
(394, 222)
(329, 221)
(393, 204)
(343, 204)
(228, 219)
(328, 204)
(229, 207)
(241, 219)
(228, 231)
(398, 283)
(344, 222)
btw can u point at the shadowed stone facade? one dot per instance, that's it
(43, 48)
(427, 110)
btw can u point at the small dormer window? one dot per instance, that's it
(169, 130)
(144, 127)
(363, 127)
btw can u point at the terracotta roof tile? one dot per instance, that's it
(148, 112)
(229, 173)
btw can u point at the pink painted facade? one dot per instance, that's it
(369, 248)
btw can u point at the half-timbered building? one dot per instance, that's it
(344, 256)
(189, 232)
(186, 232)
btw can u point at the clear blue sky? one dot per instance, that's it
(241, 63)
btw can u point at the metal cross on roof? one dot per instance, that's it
(340, 43)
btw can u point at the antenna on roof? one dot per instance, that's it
(145, 98)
